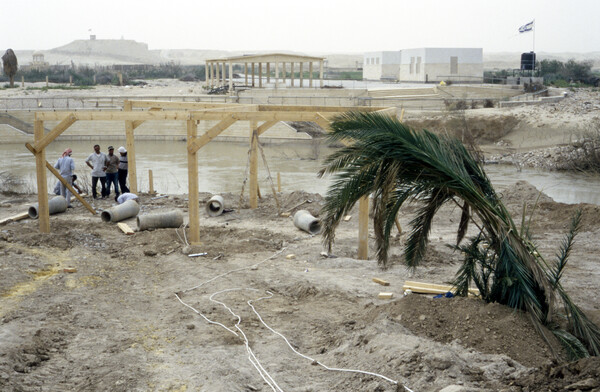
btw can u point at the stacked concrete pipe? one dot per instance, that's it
(128, 209)
(214, 207)
(55, 205)
(305, 221)
(160, 220)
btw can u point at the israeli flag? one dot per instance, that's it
(527, 27)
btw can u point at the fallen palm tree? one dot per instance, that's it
(396, 164)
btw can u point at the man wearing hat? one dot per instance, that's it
(123, 168)
(112, 171)
(66, 166)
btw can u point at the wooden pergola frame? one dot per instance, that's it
(191, 112)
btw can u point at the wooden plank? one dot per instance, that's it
(363, 228)
(55, 132)
(14, 218)
(42, 185)
(125, 228)
(193, 197)
(381, 282)
(150, 182)
(209, 135)
(385, 295)
(431, 288)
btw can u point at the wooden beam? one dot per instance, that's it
(381, 282)
(42, 185)
(55, 132)
(14, 218)
(308, 108)
(363, 228)
(432, 288)
(209, 135)
(130, 143)
(278, 182)
(265, 126)
(193, 197)
(253, 185)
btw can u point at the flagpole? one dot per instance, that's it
(533, 30)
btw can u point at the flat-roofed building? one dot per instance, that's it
(381, 65)
(441, 64)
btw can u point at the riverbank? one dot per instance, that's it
(88, 301)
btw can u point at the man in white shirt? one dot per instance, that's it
(97, 161)
(66, 166)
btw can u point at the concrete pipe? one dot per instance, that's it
(214, 207)
(121, 212)
(305, 221)
(55, 205)
(160, 220)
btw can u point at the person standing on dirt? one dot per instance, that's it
(123, 168)
(98, 164)
(112, 171)
(66, 165)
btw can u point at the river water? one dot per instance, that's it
(223, 168)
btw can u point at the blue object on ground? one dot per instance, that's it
(447, 295)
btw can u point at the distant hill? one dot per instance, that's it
(121, 51)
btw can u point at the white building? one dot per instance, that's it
(425, 65)
(381, 65)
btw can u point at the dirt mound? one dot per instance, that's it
(582, 375)
(489, 328)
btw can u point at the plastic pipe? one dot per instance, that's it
(214, 207)
(121, 212)
(305, 221)
(55, 205)
(160, 220)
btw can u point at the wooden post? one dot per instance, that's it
(253, 186)
(46, 80)
(246, 74)
(292, 74)
(70, 80)
(42, 185)
(150, 182)
(132, 174)
(193, 206)
(120, 76)
(363, 228)
(22, 81)
(278, 182)
(252, 74)
(94, 78)
(310, 74)
(301, 74)
(260, 75)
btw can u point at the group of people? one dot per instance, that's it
(108, 168)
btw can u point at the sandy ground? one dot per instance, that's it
(116, 323)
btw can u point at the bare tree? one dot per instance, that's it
(9, 60)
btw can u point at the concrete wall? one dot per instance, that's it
(381, 65)
(435, 65)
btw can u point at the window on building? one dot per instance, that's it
(418, 67)
(454, 65)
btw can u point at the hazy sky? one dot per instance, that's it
(310, 26)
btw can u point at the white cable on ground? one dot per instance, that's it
(252, 358)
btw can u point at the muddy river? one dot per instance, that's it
(223, 167)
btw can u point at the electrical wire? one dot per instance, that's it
(251, 356)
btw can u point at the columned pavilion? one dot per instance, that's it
(255, 66)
